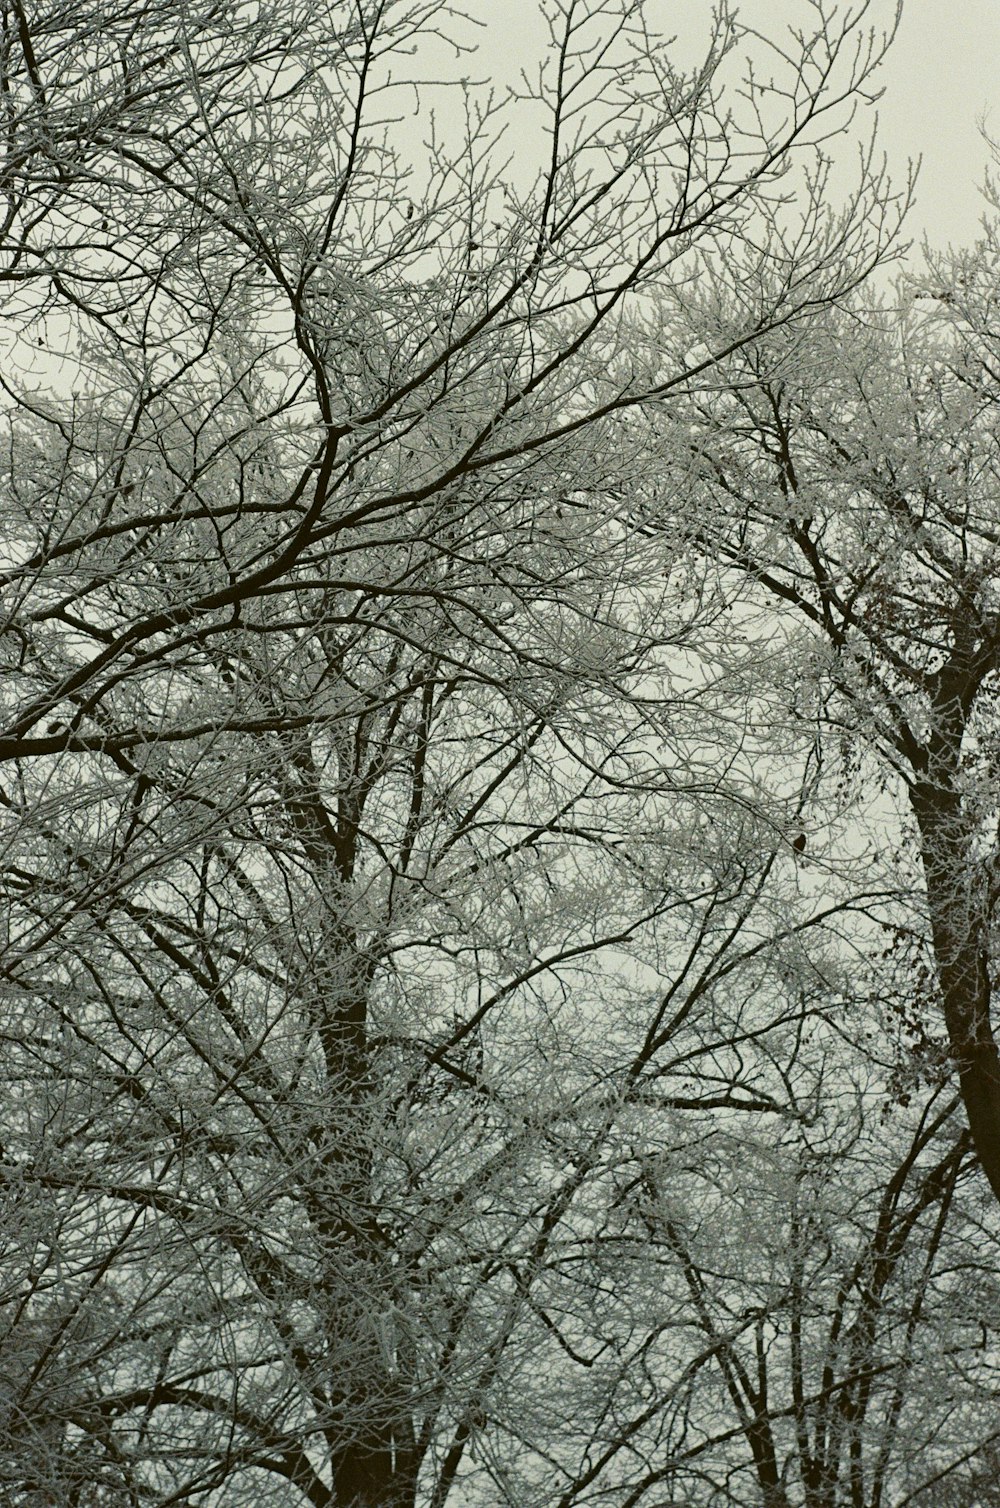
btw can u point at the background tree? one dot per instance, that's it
(855, 477)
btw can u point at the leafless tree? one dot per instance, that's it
(855, 479)
(382, 896)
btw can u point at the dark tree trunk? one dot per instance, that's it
(957, 902)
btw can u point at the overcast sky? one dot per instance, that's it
(941, 76)
(940, 79)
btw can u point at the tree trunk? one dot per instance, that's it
(956, 895)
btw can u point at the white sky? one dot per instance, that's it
(940, 79)
(942, 75)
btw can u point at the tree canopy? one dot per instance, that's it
(499, 641)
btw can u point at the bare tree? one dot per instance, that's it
(378, 900)
(854, 484)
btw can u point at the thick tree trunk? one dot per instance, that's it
(956, 895)
(369, 1434)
